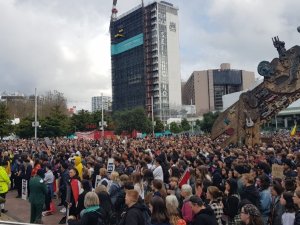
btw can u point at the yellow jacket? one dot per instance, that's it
(78, 165)
(4, 180)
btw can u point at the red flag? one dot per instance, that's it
(185, 177)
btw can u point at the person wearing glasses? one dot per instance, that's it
(250, 215)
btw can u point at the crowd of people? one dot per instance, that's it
(176, 180)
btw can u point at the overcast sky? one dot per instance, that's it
(64, 44)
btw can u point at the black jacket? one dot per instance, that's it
(205, 217)
(133, 215)
(89, 218)
(297, 218)
(251, 194)
(231, 205)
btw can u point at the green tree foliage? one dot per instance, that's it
(81, 120)
(185, 125)
(208, 121)
(129, 120)
(159, 126)
(24, 129)
(175, 128)
(5, 122)
(57, 124)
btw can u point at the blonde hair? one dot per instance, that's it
(91, 199)
(103, 172)
(172, 209)
(249, 178)
(115, 176)
(100, 188)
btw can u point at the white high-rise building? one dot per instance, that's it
(97, 103)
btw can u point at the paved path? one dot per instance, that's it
(19, 210)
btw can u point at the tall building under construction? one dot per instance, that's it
(145, 59)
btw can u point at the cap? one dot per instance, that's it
(196, 200)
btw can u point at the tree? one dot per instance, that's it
(185, 125)
(57, 124)
(175, 128)
(208, 121)
(81, 120)
(5, 123)
(159, 126)
(134, 119)
(25, 129)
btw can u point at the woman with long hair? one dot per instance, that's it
(288, 216)
(231, 201)
(250, 215)
(159, 214)
(173, 210)
(115, 187)
(158, 189)
(138, 184)
(214, 195)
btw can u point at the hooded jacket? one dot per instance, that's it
(78, 165)
(205, 217)
(134, 215)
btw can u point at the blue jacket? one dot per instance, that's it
(265, 202)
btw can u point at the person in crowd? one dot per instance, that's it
(296, 199)
(134, 214)
(202, 215)
(277, 209)
(86, 187)
(78, 166)
(115, 188)
(186, 210)
(105, 202)
(231, 202)
(265, 197)
(288, 216)
(104, 178)
(159, 214)
(92, 214)
(158, 171)
(173, 210)
(37, 197)
(214, 195)
(73, 190)
(250, 192)
(138, 184)
(250, 215)
(20, 174)
(48, 179)
(4, 183)
(64, 177)
(158, 188)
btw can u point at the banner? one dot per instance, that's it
(24, 189)
(185, 177)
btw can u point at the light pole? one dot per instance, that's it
(35, 117)
(102, 118)
(152, 115)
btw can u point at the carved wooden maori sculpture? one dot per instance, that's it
(240, 123)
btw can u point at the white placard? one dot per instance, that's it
(24, 189)
(97, 181)
(110, 165)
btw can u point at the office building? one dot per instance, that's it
(97, 103)
(206, 88)
(145, 59)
